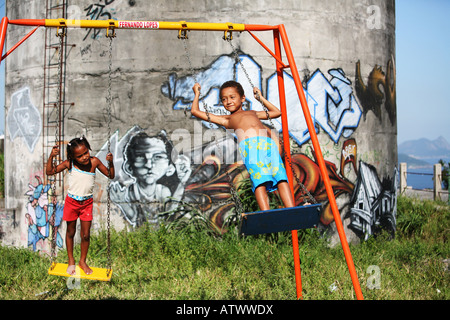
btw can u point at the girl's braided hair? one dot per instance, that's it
(73, 144)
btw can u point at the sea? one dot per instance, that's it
(421, 178)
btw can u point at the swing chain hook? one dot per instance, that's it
(228, 34)
(183, 32)
(61, 29)
(111, 30)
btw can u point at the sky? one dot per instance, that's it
(422, 67)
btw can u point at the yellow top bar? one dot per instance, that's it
(125, 24)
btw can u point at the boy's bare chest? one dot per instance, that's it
(246, 124)
(244, 119)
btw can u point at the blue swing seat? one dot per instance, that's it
(279, 220)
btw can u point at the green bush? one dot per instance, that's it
(445, 173)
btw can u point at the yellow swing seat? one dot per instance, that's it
(60, 269)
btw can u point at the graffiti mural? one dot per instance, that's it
(153, 180)
(331, 102)
(372, 97)
(159, 175)
(97, 11)
(332, 105)
(23, 119)
(222, 69)
(150, 179)
(374, 203)
(41, 216)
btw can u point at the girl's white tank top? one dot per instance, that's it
(81, 184)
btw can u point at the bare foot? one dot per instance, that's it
(85, 267)
(71, 269)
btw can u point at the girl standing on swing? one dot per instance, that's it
(79, 200)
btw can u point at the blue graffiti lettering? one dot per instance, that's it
(331, 102)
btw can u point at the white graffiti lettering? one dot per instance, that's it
(332, 105)
(348, 151)
(23, 119)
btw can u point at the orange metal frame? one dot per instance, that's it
(280, 39)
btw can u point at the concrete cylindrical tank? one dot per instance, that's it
(345, 54)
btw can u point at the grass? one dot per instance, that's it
(193, 263)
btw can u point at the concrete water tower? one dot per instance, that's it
(345, 54)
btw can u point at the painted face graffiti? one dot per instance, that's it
(150, 162)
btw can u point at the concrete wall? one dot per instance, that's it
(345, 52)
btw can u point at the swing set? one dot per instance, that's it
(277, 220)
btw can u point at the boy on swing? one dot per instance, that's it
(258, 150)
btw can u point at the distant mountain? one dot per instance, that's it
(413, 163)
(426, 150)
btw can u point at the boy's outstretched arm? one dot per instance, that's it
(274, 112)
(195, 109)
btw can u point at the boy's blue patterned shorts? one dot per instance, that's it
(263, 162)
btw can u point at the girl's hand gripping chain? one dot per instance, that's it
(55, 151)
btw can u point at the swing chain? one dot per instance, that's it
(191, 68)
(233, 191)
(304, 189)
(108, 193)
(239, 62)
(61, 33)
(188, 56)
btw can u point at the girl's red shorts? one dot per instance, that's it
(74, 209)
